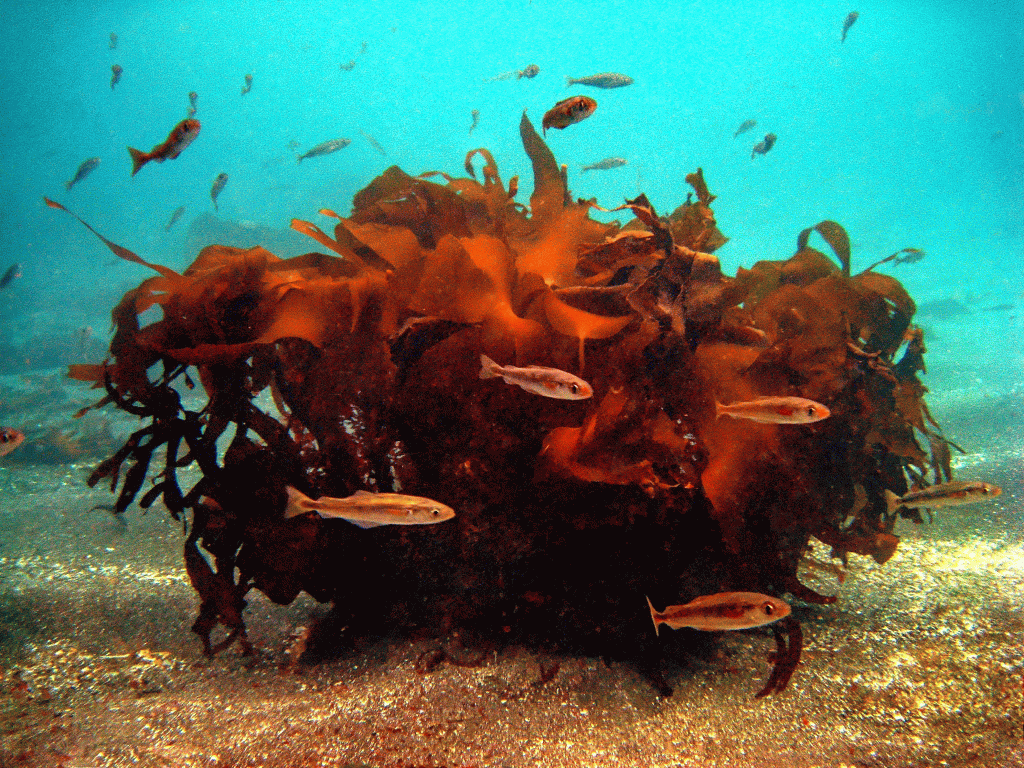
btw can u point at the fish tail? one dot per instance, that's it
(488, 368)
(68, 185)
(720, 409)
(892, 501)
(654, 614)
(139, 159)
(298, 503)
(569, 82)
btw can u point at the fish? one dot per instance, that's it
(568, 111)
(762, 147)
(369, 510)
(248, 85)
(722, 611)
(548, 382)
(113, 40)
(604, 165)
(348, 66)
(116, 77)
(912, 256)
(850, 19)
(775, 410)
(13, 273)
(325, 148)
(529, 72)
(943, 495)
(84, 170)
(10, 439)
(193, 104)
(602, 80)
(218, 185)
(745, 126)
(180, 137)
(476, 119)
(374, 143)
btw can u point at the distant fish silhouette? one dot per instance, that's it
(850, 20)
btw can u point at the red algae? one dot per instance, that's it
(567, 513)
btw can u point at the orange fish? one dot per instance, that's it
(182, 135)
(723, 611)
(775, 410)
(10, 439)
(568, 111)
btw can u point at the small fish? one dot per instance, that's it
(248, 85)
(762, 147)
(912, 256)
(178, 213)
(548, 382)
(218, 185)
(368, 510)
(349, 65)
(325, 148)
(113, 40)
(476, 119)
(193, 104)
(374, 143)
(10, 439)
(850, 19)
(568, 111)
(529, 72)
(602, 80)
(775, 410)
(604, 165)
(943, 495)
(116, 77)
(721, 612)
(13, 273)
(179, 138)
(745, 126)
(84, 170)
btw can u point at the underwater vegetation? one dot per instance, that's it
(568, 512)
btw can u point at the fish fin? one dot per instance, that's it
(68, 185)
(298, 503)
(719, 410)
(139, 159)
(892, 501)
(654, 616)
(488, 368)
(568, 82)
(364, 523)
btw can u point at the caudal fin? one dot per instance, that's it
(298, 503)
(720, 409)
(139, 159)
(569, 82)
(654, 614)
(488, 368)
(892, 501)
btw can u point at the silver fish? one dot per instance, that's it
(604, 165)
(326, 148)
(775, 410)
(547, 382)
(851, 18)
(721, 612)
(943, 495)
(248, 85)
(374, 143)
(369, 510)
(178, 213)
(84, 170)
(745, 126)
(218, 185)
(602, 80)
(762, 147)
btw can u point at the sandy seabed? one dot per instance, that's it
(918, 664)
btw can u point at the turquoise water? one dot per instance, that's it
(910, 134)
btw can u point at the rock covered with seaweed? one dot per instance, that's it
(568, 512)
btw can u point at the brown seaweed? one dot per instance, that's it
(566, 513)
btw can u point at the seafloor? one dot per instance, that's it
(918, 664)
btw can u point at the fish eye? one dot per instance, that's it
(810, 410)
(574, 388)
(435, 512)
(768, 609)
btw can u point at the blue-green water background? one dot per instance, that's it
(909, 134)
